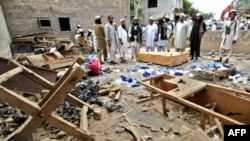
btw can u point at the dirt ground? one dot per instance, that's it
(112, 125)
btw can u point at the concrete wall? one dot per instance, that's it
(22, 15)
(5, 40)
(212, 41)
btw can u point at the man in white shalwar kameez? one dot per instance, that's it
(111, 39)
(151, 33)
(123, 40)
(181, 34)
(229, 36)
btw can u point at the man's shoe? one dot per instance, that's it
(220, 60)
(225, 62)
(112, 63)
(102, 62)
(191, 58)
(123, 61)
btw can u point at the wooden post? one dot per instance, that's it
(203, 120)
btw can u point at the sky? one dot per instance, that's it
(214, 6)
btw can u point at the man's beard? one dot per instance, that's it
(124, 26)
(135, 23)
(111, 22)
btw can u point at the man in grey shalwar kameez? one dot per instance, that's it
(111, 39)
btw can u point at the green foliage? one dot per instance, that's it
(242, 6)
(190, 10)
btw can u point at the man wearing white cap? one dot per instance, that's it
(229, 35)
(181, 33)
(197, 32)
(135, 34)
(151, 34)
(123, 39)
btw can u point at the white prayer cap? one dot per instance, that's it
(79, 26)
(151, 18)
(198, 14)
(166, 16)
(122, 20)
(233, 10)
(97, 17)
(89, 30)
(114, 23)
(135, 18)
(182, 14)
(81, 30)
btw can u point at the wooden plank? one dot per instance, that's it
(77, 102)
(220, 128)
(203, 120)
(18, 101)
(7, 75)
(69, 128)
(33, 76)
(59, 63)
(84, 119)
(58, 95)
(117, 97)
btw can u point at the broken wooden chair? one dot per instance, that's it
(43, 112)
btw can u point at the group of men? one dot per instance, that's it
(111, 39)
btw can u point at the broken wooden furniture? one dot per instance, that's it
(164, 58)
(43, 112)
(232, 107)
(23, 84)
(51, 60)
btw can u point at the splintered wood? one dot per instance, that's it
(42, 112)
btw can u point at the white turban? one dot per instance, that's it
(182, 14)
(151, 18)
(122, 20)
(97, 17)
(198, 14)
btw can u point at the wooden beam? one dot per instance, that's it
(18, 101)
(69, 128)
(203, 120)
(77, 102)
(58, 95)
(84, 119)
(9, 74)
(33, 76)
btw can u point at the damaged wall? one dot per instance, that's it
(4, 38)
(212, 41)
(33, 16)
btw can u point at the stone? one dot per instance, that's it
(97, 114)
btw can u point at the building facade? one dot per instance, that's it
(160, 8)
(59, 17)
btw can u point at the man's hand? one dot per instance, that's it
(109, 43)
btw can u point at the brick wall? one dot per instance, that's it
(22, 15)
(212, 41)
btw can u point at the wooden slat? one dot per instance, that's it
(18, 101)
(77, 102)
(69, 128)
(84, 119)
(11, 73)
(34, 77)
(203, 120)
(57, 96)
